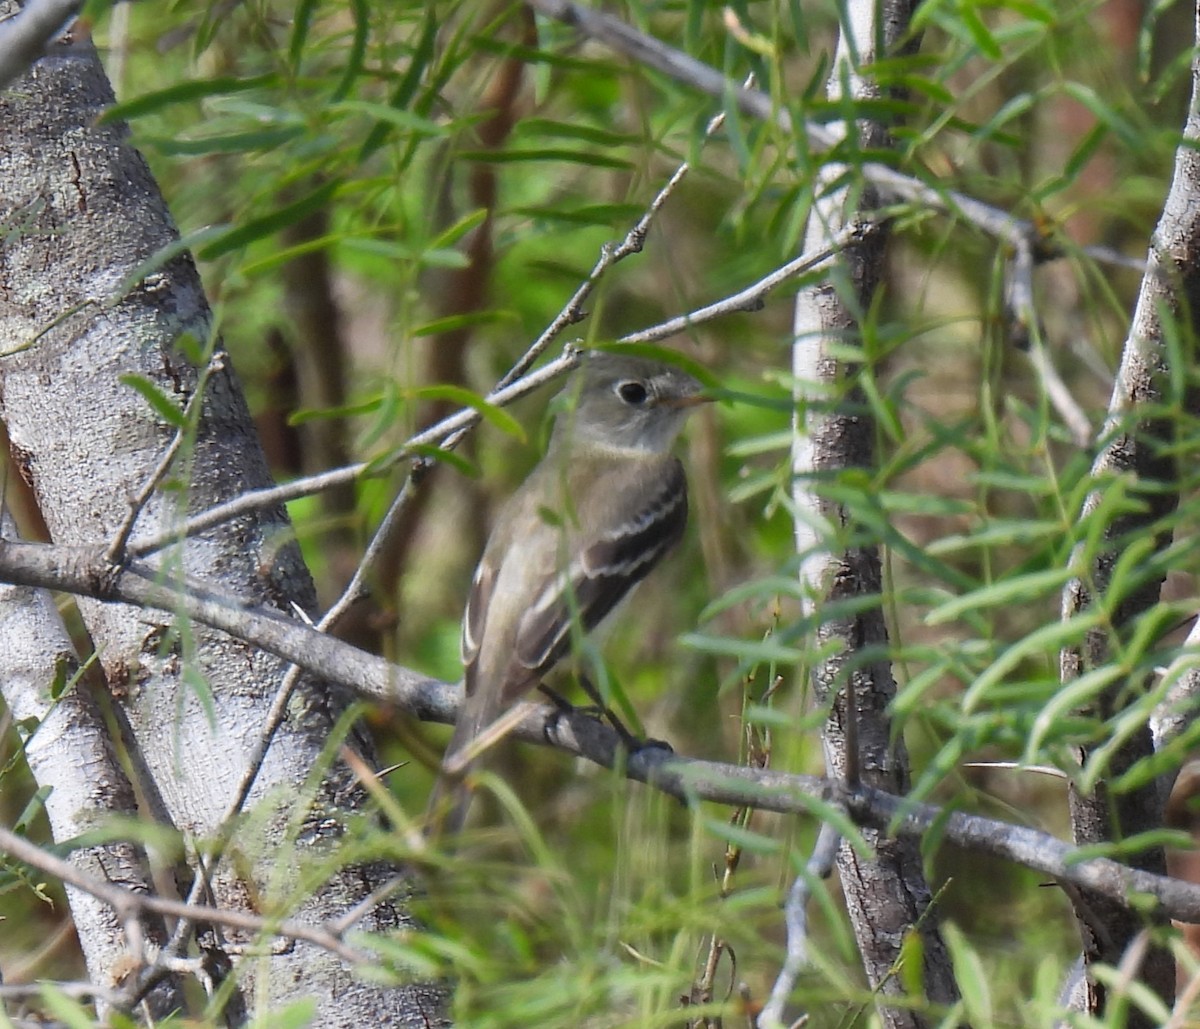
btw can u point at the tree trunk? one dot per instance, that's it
(83, 212)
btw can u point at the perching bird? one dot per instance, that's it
(598, 512)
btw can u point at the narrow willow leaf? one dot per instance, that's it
(396, 251)
(32, 809)
(301, 22)
(538, 155)
(970, 974)
(492, 414)
(401, 99)
(398, 118)
(755, 843)
(448, 237)
(1000, 532)
(1047, 639)
(608, 215)
(312, 414)
(260, 228)
(233, 143)
(454, 322)
(753, 651)
(358, 48)
(574, 130)
(66, 1011)
(1023, 588)
(443, 456)
(167, 408)
(185, 92)
(1072, 697)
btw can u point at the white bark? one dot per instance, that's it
(886, 896)
(68, 750)
(88, 212)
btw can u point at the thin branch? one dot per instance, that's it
(610, 255)
(892, 185)
(116, 549)
(819, 867)
(446, 433)
(83, 571)
(25, 36)
(353, 592)
(435, 435)
(751, 298)
(127, 904)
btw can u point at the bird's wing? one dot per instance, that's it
(475, 613)
(612, 559)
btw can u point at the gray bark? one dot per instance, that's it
(82, 212)
(886, 896)
(68, 750)
(1137, 439)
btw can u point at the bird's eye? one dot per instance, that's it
(632, 393)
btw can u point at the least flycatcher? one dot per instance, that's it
(598, 512)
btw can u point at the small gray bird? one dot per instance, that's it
(599, 511)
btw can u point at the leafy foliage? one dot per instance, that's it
(456, 168)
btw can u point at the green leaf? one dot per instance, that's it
(301, 22)
(970, 974)
(454, 322)
(397, 117)
(298, 1014)
(443, 456)
(541, 154)
(1025, 587)
(1049, 638)
(448, 237)
(1000, 532)
(196, 89)
(755, 843)
(492, 414)
(167, 408)
(751, 651)
(67, 1012)
(1071, 697)
(608, 215)
(980, 33)
(397, 251)
(33, 807)
(230, 143)
(162, 257)
(574, 130)
(358, 47)
(313, 414)
(259, 228)
(407, 87)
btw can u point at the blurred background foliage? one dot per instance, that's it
(386, 197)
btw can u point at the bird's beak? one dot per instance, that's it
(692, 400)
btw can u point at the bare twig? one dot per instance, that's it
(448, 431)
(819, 866)
(751, 298)
(435, 435)
(279, 705)
(74, 990)
(127, 904)
(84, 571)
(610, 255)
(25, 36)
(892, 185)
(116, 549)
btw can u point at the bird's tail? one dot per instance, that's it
(450, 798)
